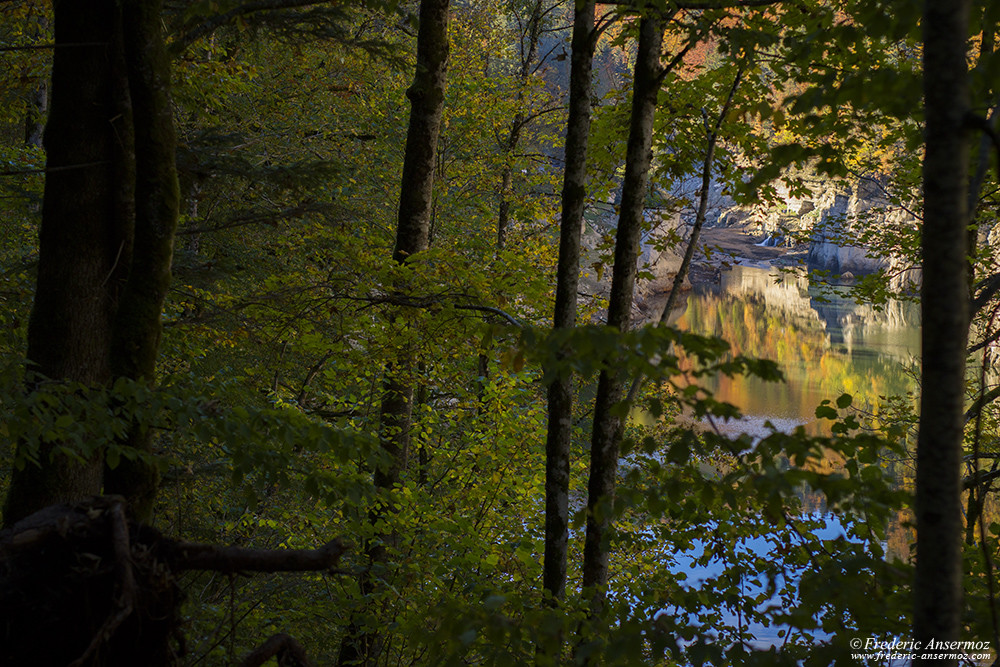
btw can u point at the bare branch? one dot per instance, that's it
(36, 47)
(490, 309)
(50, 170)
(706, 4)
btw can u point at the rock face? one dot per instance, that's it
(658, 257)
(830, 216)
(830, 247)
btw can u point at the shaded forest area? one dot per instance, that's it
(320, 343)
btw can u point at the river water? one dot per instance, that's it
(825, 343)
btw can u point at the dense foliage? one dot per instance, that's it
(285, 312)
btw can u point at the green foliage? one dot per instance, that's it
(285, 309)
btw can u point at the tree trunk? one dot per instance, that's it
(361, 645)
(34, 116)
(699, 222)
(517, 125)
(426, 105)
(944, 311)
(608, 425)
(136, 339)
(560, 392)
(85, 237)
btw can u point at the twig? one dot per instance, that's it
(33, 47)
(51, 170)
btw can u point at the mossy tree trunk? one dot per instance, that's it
(136, 335)
(102, 276)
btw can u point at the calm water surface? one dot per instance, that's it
(825, 343)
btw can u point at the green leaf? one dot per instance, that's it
(825, 412)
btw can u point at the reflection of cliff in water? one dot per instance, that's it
(826, 344)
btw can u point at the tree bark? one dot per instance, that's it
(85, 237)
(361, 645)
(136, 336)
(426, 97)
(560, 392)
(944, 310)
(608, 425)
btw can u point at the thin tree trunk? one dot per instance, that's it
(985, 149)
(944, 311)
(362, 645)
(560, 392)
(699, 222)
(85, 237)
(136, 338)
(608, 426)
(517, 125)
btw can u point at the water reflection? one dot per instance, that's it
(826, 344)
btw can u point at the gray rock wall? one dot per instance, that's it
(830, 217)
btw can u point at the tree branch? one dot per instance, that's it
(64, 522)
(35, 47)
(234, 560)
(211, 24)
(490, 309)
(695, 6)
(987, 288)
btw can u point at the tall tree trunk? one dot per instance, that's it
(136, 339)
(560, 392)
(85, 237)
(944, 311)
(608, 426)
(361, 645)
(426, 97)
(534, 30)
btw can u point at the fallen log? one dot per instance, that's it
(80, 585)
